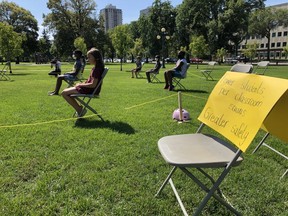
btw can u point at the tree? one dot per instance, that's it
(220, 54)
(121, 40)
(250, 51)
(23, 22)
(285, 51)
(44, 45)
(138, 49)
(10, 43)
(79, 43)
(220, 22)
(263, 21)
(70, 19)
(162, 15)
(198, 47)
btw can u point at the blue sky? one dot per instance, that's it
(130, 8)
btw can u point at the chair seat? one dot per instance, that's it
(196, 150)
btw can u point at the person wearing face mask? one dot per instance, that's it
(178, 71)
(95, 58)
(77, 68)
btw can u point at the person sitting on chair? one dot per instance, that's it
(95, 58)
(155, 69)
(57, 64)
(78, 66)
(178, 71)
(138, 67)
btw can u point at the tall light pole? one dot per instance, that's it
(163, 36)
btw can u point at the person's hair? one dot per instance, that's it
(98, 57)
(78, 52)
(181, 54)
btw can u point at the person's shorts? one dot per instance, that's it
(176, 74)
(69, 77)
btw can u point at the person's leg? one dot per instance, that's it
(169, 77)
(132, 73)
(148, 76)
(58, 84)
(166, 80)
(66, 95)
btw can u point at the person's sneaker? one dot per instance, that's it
(166, 86)
(171, 88)
(52, 93)
(83, 112)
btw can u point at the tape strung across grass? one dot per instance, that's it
(68, 119)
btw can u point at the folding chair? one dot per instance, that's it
(245, 68)
(207, 72)
(262, 143)
(273, 129)
(261, 67)
(154, 77)
(81, 97)
(177, 80)
(3, 75)
(199, 151)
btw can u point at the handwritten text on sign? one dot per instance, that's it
(238, 105)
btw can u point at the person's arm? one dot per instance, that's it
(179, 66)
(77, 68)
(96, 76)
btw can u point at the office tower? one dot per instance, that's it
(112, 16)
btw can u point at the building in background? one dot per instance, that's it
(145, 12)
(278, 40)
(112, 16)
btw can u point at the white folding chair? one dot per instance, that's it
(244, 68)
(82, 97)
(262, 143)
(194, 153)
(177, 80)
(3, 75)
(154, 77)
(274, 130)
(207, 72)
(261, 67)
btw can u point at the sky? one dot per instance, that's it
(130, 8)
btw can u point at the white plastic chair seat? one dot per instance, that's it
(196, 150)
(244, 68)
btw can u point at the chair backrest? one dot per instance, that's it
(100, 81)
(263, 65)
(244, 68)
(185, 74)
(210, 65)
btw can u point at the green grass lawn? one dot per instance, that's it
(54, 164)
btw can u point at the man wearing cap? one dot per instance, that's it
(155, 69)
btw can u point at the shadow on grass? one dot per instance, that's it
(192, 90)
(19, 74)
(120, 127)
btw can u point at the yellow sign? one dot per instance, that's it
(239, 104)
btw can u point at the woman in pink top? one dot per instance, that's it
(95, 58)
